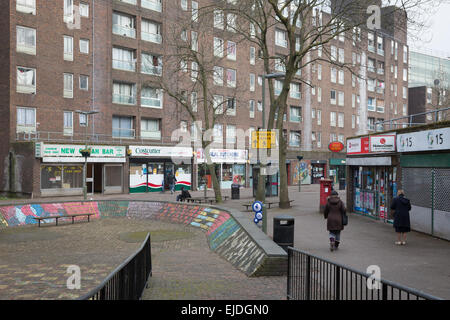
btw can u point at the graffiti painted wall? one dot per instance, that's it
(305, 172)
(224, 235)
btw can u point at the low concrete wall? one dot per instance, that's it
(229, 233)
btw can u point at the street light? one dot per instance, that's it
(86, 114)
(263, 177)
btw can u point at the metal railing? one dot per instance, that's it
(313, 278)
(129, 280)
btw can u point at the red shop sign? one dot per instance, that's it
(336, 146)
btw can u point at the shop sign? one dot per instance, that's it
(223, 156)
(161, 152)
(429, 140)
(358, 146)
(382, 143)
(263, 139)
(64, 150)
(336, 146)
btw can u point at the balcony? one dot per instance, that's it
(151, 102)
(153, 135)
(152, 70)
(26, 49)
(380, 109)
(68, 94)
(151, 37)
(296, 95)
(371, 48)
(380, 71)
(152, 5)
(123, 133)
(124, 65)
(124, 31)
(24, 8)
(124, 99)
(31, 129)
(29, 89)
(371, 107)
(294, 118)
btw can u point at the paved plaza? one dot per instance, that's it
(34, 260)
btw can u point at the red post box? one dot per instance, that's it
(325, 192)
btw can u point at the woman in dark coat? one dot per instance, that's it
(401, 206)
(334, 210)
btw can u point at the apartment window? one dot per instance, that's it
(333, 96)
(218, 47)
(295, 114)
(341, 120)
(151, 31)
(371, 42)
(218, 19)
(68, 85)
(84, 46)
(231, 50)
(294, 138)
(251, 106)
(295, 91)
(218, 76)
(231, 134)
(341, 76)
(151, 97)
(353, 121)
(26, 6)
(123, 25)
(341, 138)
(405, 54)
(123, 59)
(353, 100)
(371, 104)
(26, 80)
(154, 5)
(380, 67)
(395, 72)
(341, 98)
(341, 56)
(124, 93)
(231, 106)
(279, 65)
(380, 46)
(68, 48)
(405, 74)
(150, 129)
(333, 53)
(82, 119)
(333, 137)
(68, 11)
(84, 9)
(218, 104)
(84, 82)
(194, 6)
(129, 1)
(371, 65)
(380, 86)
(371, 123)
(319, 72)
(194, 102)
(26, 40)
(278, 87)
(405, 93)
(184, 5)
(151, 64)
(218, 133)
(319, 139)
(231, 78)
(313, 113)
(68, 123)
(333, 75)
(252, 30)
(194, 41)
(353, 81)
(281, 38)
(122, 127)
(319, 94)
(371, 85)
(319, 117)
(252, 55)
(183, 65)
(333, 119)
(194, 71)
(429, 95)
(231, 22)
(26, 119)
(252, 81)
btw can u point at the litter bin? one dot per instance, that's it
(283, 231)
(342, 184)
(235, 191)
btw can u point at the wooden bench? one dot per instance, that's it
(73, 216)
(268, 203)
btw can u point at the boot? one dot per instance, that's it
(336, 245)
(332, 244)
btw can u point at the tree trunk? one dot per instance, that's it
(284, 191)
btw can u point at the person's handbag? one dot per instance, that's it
(344, 219)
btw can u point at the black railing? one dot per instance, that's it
(129, 280)
(313, 278)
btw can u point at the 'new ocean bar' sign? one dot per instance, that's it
(64, 150)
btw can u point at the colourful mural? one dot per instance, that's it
(305, 172)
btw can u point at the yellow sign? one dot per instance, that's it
(263, 139)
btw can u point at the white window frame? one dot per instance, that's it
(29, 124)
(68, 93)
(25, 47)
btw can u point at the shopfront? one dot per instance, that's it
(318, 170)
(150, 167)
(61, 169)
(337, 169)
(230, 167)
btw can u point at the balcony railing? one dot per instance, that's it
(25, 8)
(371, 107)
(153, 70)
(26, 49)
(123, 133)
(124, 65)
(124, 31)
(151, 37)
(155, 135)
(151, 102)
(123, 99)
(152, 5)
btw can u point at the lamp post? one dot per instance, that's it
(262, 179)
(86, 114)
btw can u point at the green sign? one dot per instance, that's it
(58, 150)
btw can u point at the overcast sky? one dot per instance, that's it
(437, 37)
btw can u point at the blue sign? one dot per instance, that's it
(257, 206)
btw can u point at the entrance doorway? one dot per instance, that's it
(94, 178)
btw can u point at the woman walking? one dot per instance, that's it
(401, 205)
(334, 212)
